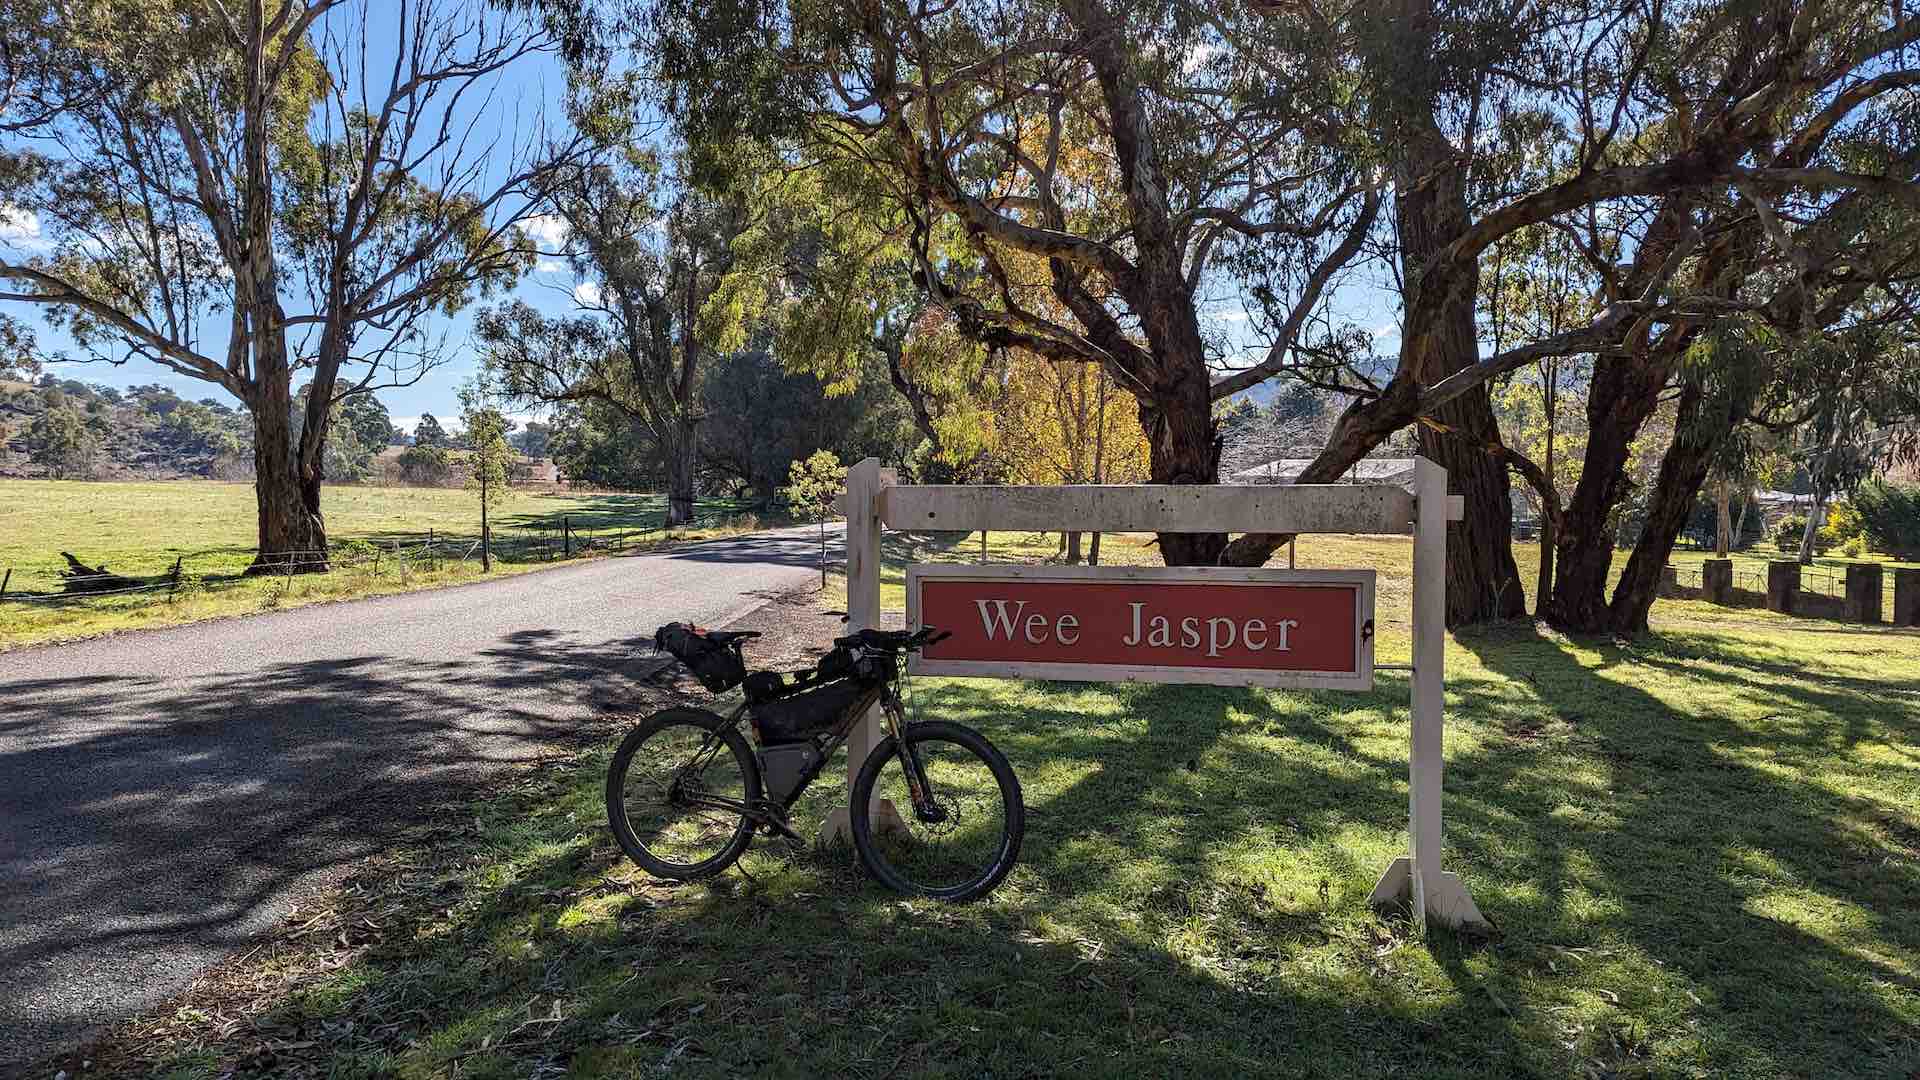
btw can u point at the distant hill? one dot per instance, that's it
(143, 432)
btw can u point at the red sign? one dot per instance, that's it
(1152, 624)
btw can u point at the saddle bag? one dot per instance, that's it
(793, 718)
(718, 667)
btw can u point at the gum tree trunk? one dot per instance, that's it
(1683, 470)
(1440, 338)
(680, 488)
(1625, 393)
(288, 503)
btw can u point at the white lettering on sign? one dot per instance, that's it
(998, 624)
(1221, 633)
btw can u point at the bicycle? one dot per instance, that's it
(686, 791)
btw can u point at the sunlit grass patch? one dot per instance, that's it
(378, 539)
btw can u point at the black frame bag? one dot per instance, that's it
(802, 715)
(718, 667)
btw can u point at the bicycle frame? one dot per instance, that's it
(766, 811)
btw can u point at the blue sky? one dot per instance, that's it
(1361, 299)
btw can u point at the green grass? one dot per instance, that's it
(1701, 852)
(138, 529)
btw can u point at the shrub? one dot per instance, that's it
(1854, 547)
(1842, 524)
(1787, 534)
(1889, 516)
(425, 465)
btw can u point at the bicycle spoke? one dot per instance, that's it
(680, 763)
(956, 840)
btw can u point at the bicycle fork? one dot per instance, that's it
(924, 806)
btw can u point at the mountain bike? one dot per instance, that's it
(935, 811)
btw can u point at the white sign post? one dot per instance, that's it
(1244, 649)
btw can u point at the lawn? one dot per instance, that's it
(1701, 853)
(138, 529)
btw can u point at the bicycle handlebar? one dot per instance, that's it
(893, 640)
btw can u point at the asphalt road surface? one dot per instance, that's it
(165, 794)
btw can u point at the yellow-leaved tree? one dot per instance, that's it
(1065, 423)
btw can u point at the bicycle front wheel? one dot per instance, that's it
(672, 793)
(959, 842)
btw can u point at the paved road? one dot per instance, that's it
(164, 794)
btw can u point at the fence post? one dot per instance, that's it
(1783, 585)
(1716, 580)
(5, 580)
(1906, 597)
(864, 483)
(1863, 593)
(566, 538)
(430, 564)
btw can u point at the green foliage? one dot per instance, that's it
(1889, 515)
(60, 440)
(813, 485)
(1788, 533)
(489, 458)
(534, 440)
(19, 356)
(760, 417)
(428, 432)
(597, 444)
(425, 464)
(1855, 547)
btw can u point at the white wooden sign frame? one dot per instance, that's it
(875, 501)
(1361, 581)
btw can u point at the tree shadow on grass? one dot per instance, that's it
(1699, 855)
(1190, 902)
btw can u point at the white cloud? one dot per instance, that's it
(1198, 56)
(1229, 315)
(20, 229)
(550, 266)
(549, 231)
(587, 294)
(1385, 330)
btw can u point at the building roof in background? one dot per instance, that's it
(1383, 470)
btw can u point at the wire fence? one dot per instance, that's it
(218, 569)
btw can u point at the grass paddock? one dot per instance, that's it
(1701, 853)
(139, 528)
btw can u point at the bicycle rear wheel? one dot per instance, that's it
(961, 845)
(656, 785)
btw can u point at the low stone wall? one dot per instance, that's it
(1862, 603)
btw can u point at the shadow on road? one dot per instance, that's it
(142, 850)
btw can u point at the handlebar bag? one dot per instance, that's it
(798, 716)
(718, 667)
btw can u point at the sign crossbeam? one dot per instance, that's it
(1284, 508)
(1238, 643)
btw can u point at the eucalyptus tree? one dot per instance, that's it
(1259, 145)
(1667, 145)
(656, 295)
(841, 296)
(244, 193)
(1098, 172)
